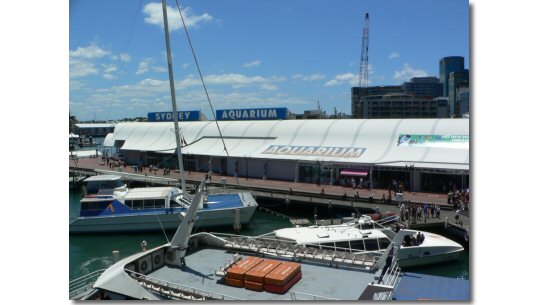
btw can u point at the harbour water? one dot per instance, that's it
(88, 253)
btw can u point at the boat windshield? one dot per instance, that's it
(103, 187)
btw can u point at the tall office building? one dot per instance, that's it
(456, 80)
(462, 99)
(448, 65)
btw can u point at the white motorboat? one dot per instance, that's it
(109, 206)
(365, 235)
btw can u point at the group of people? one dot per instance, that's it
(411, 240)
(418, 211)
(459, 199)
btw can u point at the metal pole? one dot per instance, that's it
(173, 94)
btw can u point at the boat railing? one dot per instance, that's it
(391, 279)
(83, 283)
(176, 291)
(296, 296)
(289, 249)
(388, 220)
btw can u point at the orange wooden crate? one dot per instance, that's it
(257, 273)
(234, 282)
(254, 286)
(281, 275)
(283, 289)
(238, 270)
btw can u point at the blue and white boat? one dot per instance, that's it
(109, 206)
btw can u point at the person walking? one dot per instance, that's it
(457, 217)
(388, 264)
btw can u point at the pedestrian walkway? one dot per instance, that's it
(302, 192)
(277, 185)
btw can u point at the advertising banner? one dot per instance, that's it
(443, 141)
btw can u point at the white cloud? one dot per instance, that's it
(143, 66)
(109, 68)
(159, 69)
(108, 71)
(341, 79)
(408, 72)
(91, 51)
(147, 64)
(310, 77)
(269, 87)
(184, 66)
(154, 15)
(394, 55)
(251, 64)
(349, 78)
(75, 85)
(81, 68)
(232, 79)
(125, 57)
(109, 76)
(314, 77)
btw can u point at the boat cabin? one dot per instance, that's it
(104, 185)
(154, 198)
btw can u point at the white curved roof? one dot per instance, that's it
(109, 140)
(252, 139)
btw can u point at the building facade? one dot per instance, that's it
(448, 65)
(456, 80)
(428, 87)
(94, 129)
(426, 154)
(357, 93)
(462, 99)
(399, 106)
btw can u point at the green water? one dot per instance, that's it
(88, 253)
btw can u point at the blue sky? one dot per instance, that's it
(252, 53)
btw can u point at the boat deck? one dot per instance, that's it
(414, 286)
(316, 281)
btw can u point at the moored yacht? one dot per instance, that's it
(365, 235)
(109, 206)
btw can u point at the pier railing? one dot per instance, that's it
(83, 283)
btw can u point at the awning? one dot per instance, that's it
(355, 173)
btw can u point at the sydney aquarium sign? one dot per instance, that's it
(252, 114)
(167, 116)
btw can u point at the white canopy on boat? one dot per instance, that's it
(355, 141)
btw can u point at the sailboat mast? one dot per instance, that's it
(173, 93)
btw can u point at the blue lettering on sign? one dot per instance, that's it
(318, 151)
(252, 114)
(167, 116)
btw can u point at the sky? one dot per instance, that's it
(252, 54)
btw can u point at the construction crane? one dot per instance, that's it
(363, 73)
